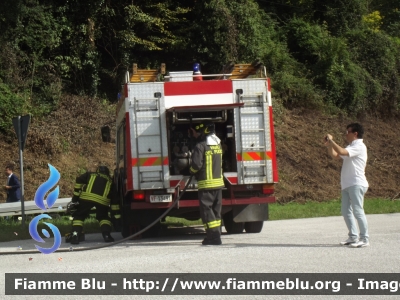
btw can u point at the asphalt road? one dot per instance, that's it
(288, 246)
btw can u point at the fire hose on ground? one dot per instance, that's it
(113, 243)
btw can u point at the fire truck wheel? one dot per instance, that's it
(125, 231)
(130, 228)
(232, 227)
(153, 231)
(254, 227)
(145, 218)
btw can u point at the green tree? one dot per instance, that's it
(341, 15)
(390, 12)
(33, 40)
(9, 12)
(378, 54)
(223, 31)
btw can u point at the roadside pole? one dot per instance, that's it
(21, 125)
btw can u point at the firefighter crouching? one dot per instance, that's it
(206, 165)
(94, 189)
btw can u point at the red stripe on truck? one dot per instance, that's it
(181, 88)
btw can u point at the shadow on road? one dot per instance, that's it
(173, 237)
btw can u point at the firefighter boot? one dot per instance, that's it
(209, 236)
(107, 237)
(213, 237)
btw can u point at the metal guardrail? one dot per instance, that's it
(14, 208)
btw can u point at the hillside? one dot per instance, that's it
(308, 173)
(70, 140)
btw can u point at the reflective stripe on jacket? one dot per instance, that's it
(207, 165)
(95, 187)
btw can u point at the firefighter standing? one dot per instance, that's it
(94, 189)
(206, 165)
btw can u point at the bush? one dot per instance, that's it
(295, 91)
(377, 55)
(11, 105)
(356, 72)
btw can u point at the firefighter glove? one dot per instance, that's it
(72, 207)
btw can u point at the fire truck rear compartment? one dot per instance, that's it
(236, 217)
(156, 153)
(180, 143)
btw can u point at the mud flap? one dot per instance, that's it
(250, 213)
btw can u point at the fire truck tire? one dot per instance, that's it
(254, 227)
(128, 230)
(153, 231)
(126, 225)
(231, 226)
(125, 231)
(135, 221)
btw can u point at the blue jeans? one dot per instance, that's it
(353, 209)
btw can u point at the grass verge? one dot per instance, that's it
(311, 209)
(12, 230)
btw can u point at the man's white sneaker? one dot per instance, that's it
(360, 244)
(349, 241)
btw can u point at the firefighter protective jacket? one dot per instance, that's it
(96, 187)
(206, 163)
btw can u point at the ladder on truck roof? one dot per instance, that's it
(241, 71)
(145, 75)
(149, 142)
(253, 137)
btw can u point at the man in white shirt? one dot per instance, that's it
(353, 183)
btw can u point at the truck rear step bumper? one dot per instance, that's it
(195, 203)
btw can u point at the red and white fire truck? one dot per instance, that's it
(153, 147)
